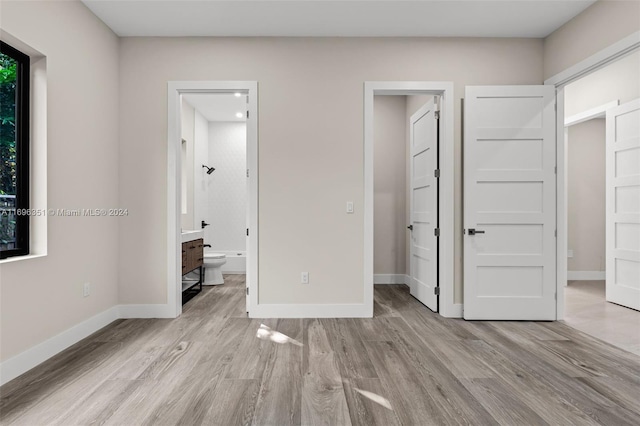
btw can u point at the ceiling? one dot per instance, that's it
(329, 18)
(218, 107)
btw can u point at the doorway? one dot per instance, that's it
(210, 101)
(603, 233)
(432, 210)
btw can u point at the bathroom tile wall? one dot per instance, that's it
(227, 187)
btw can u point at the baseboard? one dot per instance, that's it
(586, 275)
(453, 310)
(312, 311)
(390, 279)
(234, 272)
(25, 361)
(144, 311)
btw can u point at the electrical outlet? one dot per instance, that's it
(304, 278)
(86, 289)
(570, 253)
(349, 207)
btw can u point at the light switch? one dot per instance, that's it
(349, 206)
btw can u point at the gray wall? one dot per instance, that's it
(389, 184)
(586, 190)
(310, 148)
(43, 297)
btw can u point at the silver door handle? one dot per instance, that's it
(473, 231)
(410, 227)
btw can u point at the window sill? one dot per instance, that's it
(21, 258)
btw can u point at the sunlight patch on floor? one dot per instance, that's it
(375, 398)
(266, 333)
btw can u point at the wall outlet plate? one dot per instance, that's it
(86, 289)
(304, 278)
(569, 253)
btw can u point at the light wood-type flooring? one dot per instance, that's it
(404, 366)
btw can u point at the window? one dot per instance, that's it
(14, 152)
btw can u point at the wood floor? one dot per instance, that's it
(405, 366)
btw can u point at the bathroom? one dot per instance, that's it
(214, 184)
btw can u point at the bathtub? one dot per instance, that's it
(236, 261)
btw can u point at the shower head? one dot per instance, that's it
(209, 169)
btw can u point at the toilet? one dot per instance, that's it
(212, 268)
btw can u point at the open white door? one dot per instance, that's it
(623, 205)
(423, 137)
(509, 203)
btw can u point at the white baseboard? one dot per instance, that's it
(25, 361)
(390, 279)
(453, 310)
(312, 311)
(586, 275)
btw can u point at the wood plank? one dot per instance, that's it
(501, 402)
(323, 398)
(280, 395)
(353, 359)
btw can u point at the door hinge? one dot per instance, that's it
(247, 172)
(555, 233)
(555, 295)
(555, 170)
(247, 113)
(247, 291)
(555, 106)
(436, 291)
(437, 115)
(247, 232)
(436, 173)
(436, 232)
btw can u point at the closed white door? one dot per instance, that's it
(509, 203)
(623, 205)
(423, 137)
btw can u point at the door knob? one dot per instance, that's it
(473, 231)
(410, 227)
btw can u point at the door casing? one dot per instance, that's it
(175, 89)
(610, 54)
(443, 89)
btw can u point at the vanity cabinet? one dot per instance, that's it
(192, 256)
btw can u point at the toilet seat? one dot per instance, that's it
(214, 255)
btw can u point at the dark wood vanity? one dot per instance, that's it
(192, 257)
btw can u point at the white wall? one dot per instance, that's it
(310, 144)
(187, 117)
(43, 297)
(201, 180)
(597, 27)
(389, 185)
(619, 81)
(586, 196)
(227, 187)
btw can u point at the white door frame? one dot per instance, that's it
(444, 89)
(175, 89)
(593, 63)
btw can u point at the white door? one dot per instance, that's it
(423, 137)
(509, 203)
(623, 205)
